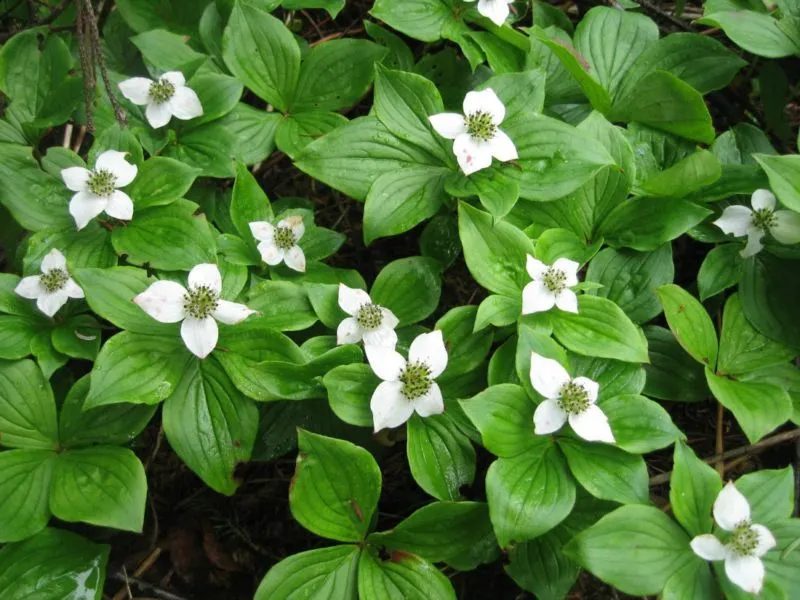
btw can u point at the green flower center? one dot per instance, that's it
(370, 316)
(101, 182)
(555, 280)
(416, 380)
(200, 302)
(284, 238)
(764, 219)
(54, 280)
(574, 398)
(480, 126)
(744, 539)
(161, 91)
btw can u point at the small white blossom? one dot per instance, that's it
(367, 321)
(408, 385)
(165, 98)
(198, 307)
(477, 137)
(739, 221)
(567, 399)
(98, 189)
(496, 11)
(279, 244)
(550, 286)
(744, 547)
(53, 287)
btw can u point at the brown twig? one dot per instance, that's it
(149, 588)
(142, 568)
(97, 53)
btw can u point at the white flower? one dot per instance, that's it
(477, 137)
(97, 190)
(737, 220)
(280, 243)
(407, 386)
(165, 98)
(53, 287)
(746, 545)
(170, 302)
(567, 398)
(550, 286)
(367, 321)
(495, 10)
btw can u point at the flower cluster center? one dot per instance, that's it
(200, 302)
(161, 91)
(555, 280)
(369, 316)
(764, 219)
(574, 398)
(54, 280)
(744, 539)
(284, 238)
(416, 380)
(481, 126)
(101, 182)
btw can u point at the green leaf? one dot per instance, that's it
(295, 132)
(53, 565)
(420, 19)
(122, 140)
(607, 472)
(335, 489)
(249, 203)
(784, 177)
(770, 493)
(423, 275)
(402, 577)
(557, 243)
(616, 378)
(180, 16)
(529, 494)
(722, 268)
(25, 490)
(497, 190)
(755, 32)
(618, 545)
(350, 389)
(690, 323)
(209, 147)
(333, 7)
(399, 55)
(168, 52)
(210, 424)
(104, 486)
(27, 407)
(783, 563)
(498, 311)
(694, 580)
(466, 349)
(685, 177)
(254, 131)
(521, 93)
(160, 181)
(218, 94)
(639, 425)
(283, 305)
(693, 489)
(672, 374)
(89, 247)
(504, 416)
(16, 334)
(78, 337)
(261, 52)
(314, 574)
(768, 291)
(758, 407)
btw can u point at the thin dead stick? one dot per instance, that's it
(720, 445)
(67, 135)
(90, 19)
(146, 564)
(737, 452)
(146, 587)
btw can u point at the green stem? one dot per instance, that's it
(506, 33)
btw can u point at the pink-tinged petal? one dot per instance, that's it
(295, 259)
(547, 376)
(382, 336)
(503, 149)
(496, 11)
(535, 268)
(262, 231)
(386, 363)
(731, 507)
(53, 260)
(30, 287)
(567, 301)
(348, 332)
(745, 571)
(50, 303)
(76, 178)
(389, 407)
(295, 223)
(115, 162)
(548, 417)
(766, 541)
(73, 290)
(428, 348)
(431, 403)
(763, 199)
(569, 268)
(754, 244)
(120, 206)
(485, 101)
(158, 115)
(472, 156)
(136, 89)
(176, 78)
(200, 335)
(205, 275)
(736, 220)
(708, 547)
(270, 253)
(85, 206)
(231, 313)
(389, 318)
(537, 298)
(592, 387)
(163, 301)
(787, 227)
(351, 299)
(592, 425)
(185, 104)
(448, 125)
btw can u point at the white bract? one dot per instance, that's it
(755, 223)
(367, 321)
(53, 287)
(746, 545)
(496, 11)
(165, 98)
(408, 385)
(477, 137)
(198, 307)
(550, 286)
(567, 399)
(279, 243)
(97, 190)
